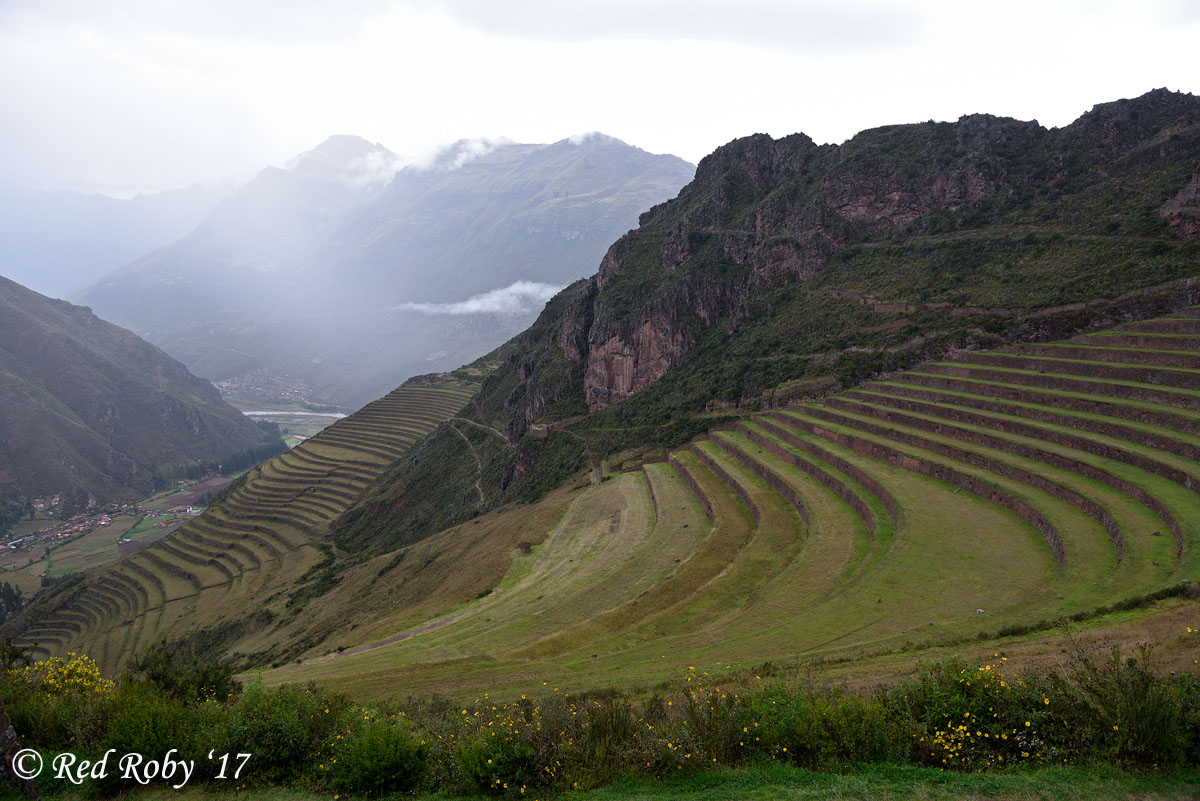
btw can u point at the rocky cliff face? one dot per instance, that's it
(765, 210)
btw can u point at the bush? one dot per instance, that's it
(1118, 709)
(183, 674)
(496, 763)
(59, 703)
(378, 758)
(972, 718)
(287, 729)
(144, 719)
(838, 730)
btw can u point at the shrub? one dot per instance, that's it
(286, 729)
(181, 673)
(378, 758)
(838, 730)
(973, 718)
(1119, 709)
(59, 703)
(496, 763)
(144, 719)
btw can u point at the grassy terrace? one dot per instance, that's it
(946, 503)
(251, 546)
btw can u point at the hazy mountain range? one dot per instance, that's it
(58, 243)
(349, 271)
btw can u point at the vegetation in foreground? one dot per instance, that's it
(1132, 727)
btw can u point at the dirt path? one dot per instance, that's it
(478, 463)
(491, 429)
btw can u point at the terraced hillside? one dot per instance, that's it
(957, 499)
(246, 553)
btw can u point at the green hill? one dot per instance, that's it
(242, 573)
(92, 413)
(965, 500)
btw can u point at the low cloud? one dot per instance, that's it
(376, 167)
(518, 298)
(461, 152)
(579, 139)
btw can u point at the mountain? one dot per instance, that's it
(58, 243)
(831, 405)
(94, 414)
(787, 269)
(348, 273)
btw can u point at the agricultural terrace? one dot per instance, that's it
(251, 544)
(958, 501)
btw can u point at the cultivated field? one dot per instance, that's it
(249, 546)
(952, 503)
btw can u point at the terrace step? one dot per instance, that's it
(1114, 371)
(1104, 387)
(1130, 339)
(974, 480)
(982, 454)
(1079, 461)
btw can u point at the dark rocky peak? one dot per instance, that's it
(759, 161)
(1111, 130)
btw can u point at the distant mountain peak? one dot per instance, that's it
(350, 160)
(591, 136)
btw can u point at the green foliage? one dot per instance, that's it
(230, 463)
(1098, 711)
(973, 718)
(12, 600)
(285, 728)
(1120, 710)
(378, 758)
(142, 718)
(183, 673)
(12, 510)
(496, 764)
(13, 656)
(838, 730)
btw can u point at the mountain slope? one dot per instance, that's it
(92, 412)
(1037, 458)
(788, 268)
(965, 500)
(327, 274)
(242, 572)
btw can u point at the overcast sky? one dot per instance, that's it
(143, 95)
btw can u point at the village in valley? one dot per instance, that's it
(47, 547)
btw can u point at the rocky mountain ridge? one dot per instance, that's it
(818, 200)
(754, 282)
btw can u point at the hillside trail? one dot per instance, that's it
(474, 453)
(490, 429)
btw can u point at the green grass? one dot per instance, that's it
(779, 782)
